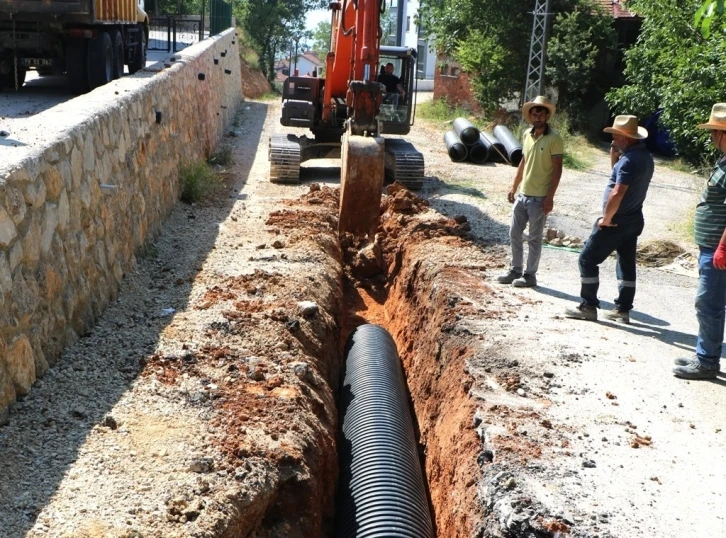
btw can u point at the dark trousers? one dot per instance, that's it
(622, 239)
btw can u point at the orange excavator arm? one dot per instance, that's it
(352, 63)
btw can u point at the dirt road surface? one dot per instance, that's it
(583, 422)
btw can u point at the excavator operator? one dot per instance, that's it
(394, 88)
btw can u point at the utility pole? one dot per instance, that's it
(534, 84)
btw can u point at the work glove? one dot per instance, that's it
(719, 257)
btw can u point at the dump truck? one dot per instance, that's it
(90, 41)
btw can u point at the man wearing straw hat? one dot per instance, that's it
(621, 223)
(538, 174)
(710, 235)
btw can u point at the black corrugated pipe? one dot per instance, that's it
(478, 153)
(457, 150)
(467, 131)
(497, 153)
(381, 488)
(511, 144)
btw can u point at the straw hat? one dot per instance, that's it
(627, 126)
(540, 100)
(717, 119)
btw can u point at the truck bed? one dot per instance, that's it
(87, 11)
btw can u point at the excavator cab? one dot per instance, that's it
(396, 112)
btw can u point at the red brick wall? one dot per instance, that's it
(455, 88)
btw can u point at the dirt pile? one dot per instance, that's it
(254, 83)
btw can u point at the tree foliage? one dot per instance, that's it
(707, 13)
(582, 43)
(321, 39)
(673, 68)
(271, 25)
(491, 39)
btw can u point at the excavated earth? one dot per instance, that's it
(203, 404)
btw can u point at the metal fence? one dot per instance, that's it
(172, 33)
(220, 16)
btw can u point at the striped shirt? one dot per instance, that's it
(711, 210)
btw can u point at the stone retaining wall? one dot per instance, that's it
(83, 188)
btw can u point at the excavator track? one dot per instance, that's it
(404, 163)
(284, 154)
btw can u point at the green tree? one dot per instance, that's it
(321, 39)
(673, 68)
(582, 42)
(706, 13)
(491, 38)
(270, 25)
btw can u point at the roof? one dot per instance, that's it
(616, 8)
(313, 58)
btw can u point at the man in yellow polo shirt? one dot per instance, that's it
(537, 178)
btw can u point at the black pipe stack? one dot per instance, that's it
(497, 153)
(382, 492)
(456, 148)
(511, 144)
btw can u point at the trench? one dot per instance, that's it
(403, 281)
(384, 284)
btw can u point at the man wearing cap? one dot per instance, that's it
(537, 178)
(710, 235)
(621, 223)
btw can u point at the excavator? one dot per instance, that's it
(348, 112)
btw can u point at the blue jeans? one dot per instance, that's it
(622, 239)
(710, 305)
(527, 210)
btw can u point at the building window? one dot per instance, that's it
(408, 24)
(454, 72)
(443, 69)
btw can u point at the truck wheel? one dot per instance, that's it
(8, 81)
(118, 54)
(138, 59)
(100, 60)
(77, 65)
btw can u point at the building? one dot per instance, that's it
(405, 32)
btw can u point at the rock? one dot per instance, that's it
(314, 187)
(201, 465)
(589, 463)
(511, 483)
(548, 375)
(560, 234)
(521, 392)
(557, 242)
(303, 372)
(460, 219)
(307, 308)
(293, 325)
(550, 234)
(109, 422)
(278, 244)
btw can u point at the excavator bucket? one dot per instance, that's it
(361, 183)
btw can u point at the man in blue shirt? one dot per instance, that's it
(710, 232)
(621, 223)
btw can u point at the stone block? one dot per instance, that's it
(20, 365)
(8, 231)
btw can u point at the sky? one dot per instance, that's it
(316, 16)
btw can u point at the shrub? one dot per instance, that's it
(195, 180)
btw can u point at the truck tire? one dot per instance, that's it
(77, 65)
(118, 54)
(138, 58)
(100, 60)
(8, 81)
